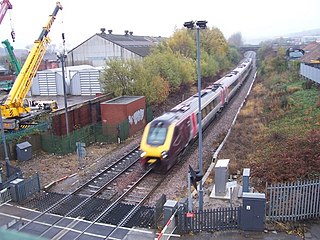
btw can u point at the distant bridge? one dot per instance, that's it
(246, 48)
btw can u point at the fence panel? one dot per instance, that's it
(293, 201)
(32, 185)
(208, 220)
(5, 195)
(158, 211)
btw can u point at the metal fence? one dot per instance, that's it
(293, 201)
(310, 72)
(41, 127)
(158, 210)
(5, 195)
(208, 220)
(89, 134)
(32, 185)
(21, 190)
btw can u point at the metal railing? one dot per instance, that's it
(293, 201)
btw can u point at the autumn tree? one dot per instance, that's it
(117, 77)
(183, 42)
(169, 65)
(175, 68)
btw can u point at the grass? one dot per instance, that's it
(278, 143)
(303, 113)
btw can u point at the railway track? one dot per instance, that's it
(116, 195)
(102, 199)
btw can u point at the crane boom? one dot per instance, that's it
(13, 60)
(4, 7)
(14, 106)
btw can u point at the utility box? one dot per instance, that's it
(221, 170)
(253, 212)
(169, 208)
(24, 151)
(18, 190)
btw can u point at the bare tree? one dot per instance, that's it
(236, 39)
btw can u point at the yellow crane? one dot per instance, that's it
(16, 106)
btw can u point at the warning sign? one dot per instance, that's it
(190, 215)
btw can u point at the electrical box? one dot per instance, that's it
(18, 190)
(253, 212)
(24, 151)
(221, 173)
(169, 208)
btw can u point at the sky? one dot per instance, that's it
(80, 20)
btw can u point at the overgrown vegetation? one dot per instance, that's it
(170, 65)
(277, 133)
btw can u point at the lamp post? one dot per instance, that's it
(6, 158)
(199, 25)
(62, 58)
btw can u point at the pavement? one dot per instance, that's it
(309, 231)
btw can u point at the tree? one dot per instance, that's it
(117, 77)
(183, 41)
(213, 42)
(234, 55)
(236, 39)
(173, 67)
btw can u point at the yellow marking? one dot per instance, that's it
(151, 161)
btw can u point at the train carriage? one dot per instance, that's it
(165, 137)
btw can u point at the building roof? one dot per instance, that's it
(139, 45)
(312, 53)
(311, 46)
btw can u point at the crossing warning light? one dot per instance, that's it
(195, 176)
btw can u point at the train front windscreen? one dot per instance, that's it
(157, 134)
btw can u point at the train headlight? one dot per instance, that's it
(164, 154)
(143, 154)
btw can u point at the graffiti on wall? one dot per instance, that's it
(136, 117)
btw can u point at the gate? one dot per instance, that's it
(208, 220)
(32, 185)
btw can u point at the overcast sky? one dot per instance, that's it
(81, 19)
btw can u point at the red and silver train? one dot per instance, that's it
(165, 137)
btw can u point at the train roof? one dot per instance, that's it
(190, 105)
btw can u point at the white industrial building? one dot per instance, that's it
(85, 63)
(80, 80)
(104, 46)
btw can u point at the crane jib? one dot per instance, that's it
(52, 17)
(14, 106)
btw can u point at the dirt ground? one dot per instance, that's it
(55, 168)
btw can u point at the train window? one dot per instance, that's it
(203, 113)
(157, 135)
(211, 105)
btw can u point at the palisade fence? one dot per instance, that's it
(21, 191)
(208, 220)
(293, 201)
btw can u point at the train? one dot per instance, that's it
(167, 136)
